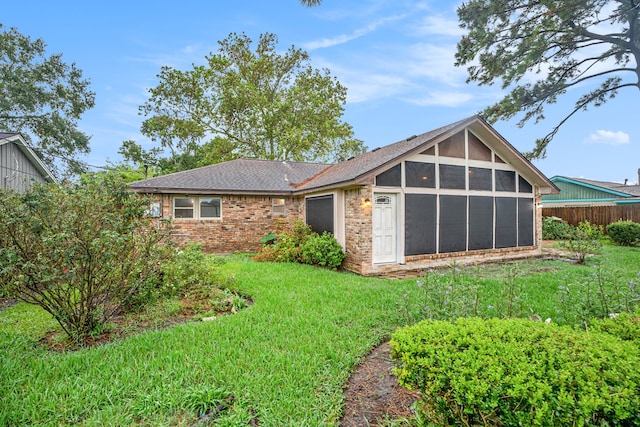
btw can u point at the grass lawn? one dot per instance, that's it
(285, 359)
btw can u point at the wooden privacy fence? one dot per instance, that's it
(598, 215)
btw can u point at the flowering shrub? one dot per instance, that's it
(515, 372)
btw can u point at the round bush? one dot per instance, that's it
(624, 233)
(515, 372)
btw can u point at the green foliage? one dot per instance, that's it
(301, 244)
(509, 41)
(624, 233)
(554, 228)
(591, 231)
(625, 326)
(584, 241)
(43, 98)
(249, 103)
(323, 250)
(600, 295)
(80, 251)
(513, 372)
(287, 244)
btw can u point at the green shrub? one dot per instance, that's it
(582, 244)
(591, 231)
(554, 228)
(323, 250)
(624, 233)
(625, 326)
(79, 250)
(515, 372)
(301, 244)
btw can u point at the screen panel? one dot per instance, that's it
(420, 224)
(453, 146)
(480, 179)
(505, 180)
(453, 223)
(506, 222)
(480, 222)
(391, 177)
(453, 177)
(319, 213)
(524, 186)
(419, 174)
(525, 222)
(477, 150)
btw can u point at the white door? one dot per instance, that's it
(384, 228)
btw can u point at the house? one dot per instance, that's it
(20, 166)
(460, 192)
(587, 192)
(599, 202)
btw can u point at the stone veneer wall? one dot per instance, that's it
(358, 229)
(245, 220)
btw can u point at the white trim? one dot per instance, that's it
(195, 207)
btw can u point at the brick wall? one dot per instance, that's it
(358, 229)
(245, 219)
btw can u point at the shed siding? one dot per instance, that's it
(17, 173)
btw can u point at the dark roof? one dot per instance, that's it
(275, 177)
(236, 176)
(628, 190)
(367, 163)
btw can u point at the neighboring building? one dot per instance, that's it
(587, 192)
(19, 164)
(460, 192)
(598, 202)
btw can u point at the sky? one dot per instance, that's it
(395, 57)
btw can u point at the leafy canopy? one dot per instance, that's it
(250, 103)
(561, 44)
(43, 98)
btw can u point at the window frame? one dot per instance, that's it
(196, 208)
(275, 206)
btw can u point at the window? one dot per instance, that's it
(505, 180)
(183, 207)
(209, 208)
(197, 208)
(453, 146)
(391, 177)
(420, 174)
(319, 213)
(452, 177)
(278, 207)
(480, 179)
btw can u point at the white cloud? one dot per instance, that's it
(444, 99)
(608, 137)
(439, 25)
(344, 38)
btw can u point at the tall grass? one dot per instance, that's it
(283, 361)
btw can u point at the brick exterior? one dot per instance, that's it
(358, 229)
(245, 220)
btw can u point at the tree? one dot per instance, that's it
(564, 44)
(43, 98)
(242, 103)
(79, 251)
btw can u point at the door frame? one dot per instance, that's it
(395, 200)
